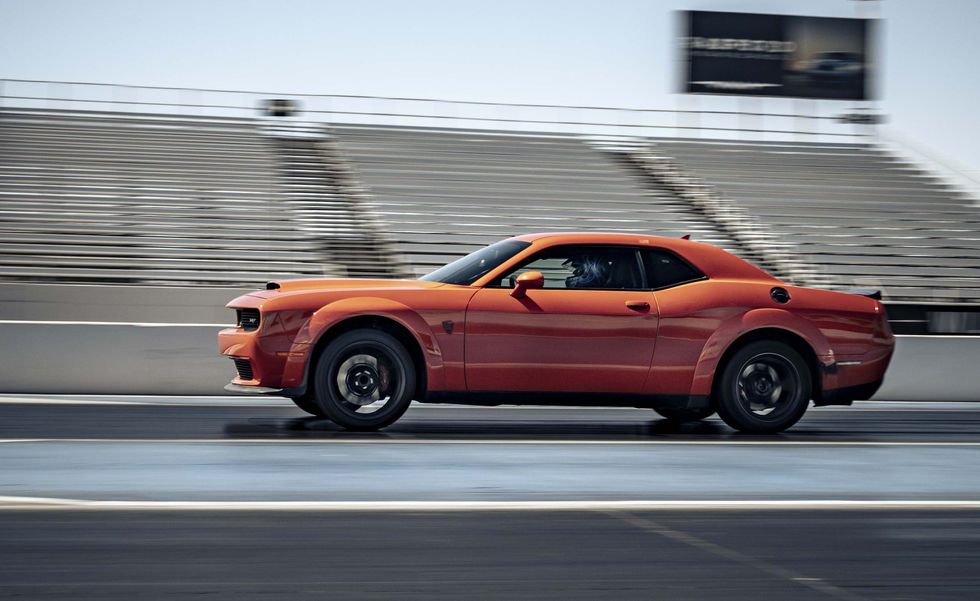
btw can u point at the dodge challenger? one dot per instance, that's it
(681, 327)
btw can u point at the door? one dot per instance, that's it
(591, 328)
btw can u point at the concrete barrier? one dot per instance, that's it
(88, 302)
(182, 359)
(933, 368)
(111, 359)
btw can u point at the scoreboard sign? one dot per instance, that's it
(776, 55)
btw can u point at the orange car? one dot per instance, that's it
(678, 326)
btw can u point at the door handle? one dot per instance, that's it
(637, 305)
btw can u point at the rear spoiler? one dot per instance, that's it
(868, 292)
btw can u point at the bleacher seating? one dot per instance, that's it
(128, 198)
(102, 197)
(328, 203)
(440, 193)
(859, 214)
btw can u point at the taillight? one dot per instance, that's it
(882, 328)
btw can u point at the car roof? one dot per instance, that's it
(713, 261)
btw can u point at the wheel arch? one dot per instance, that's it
(764, 324)
(773, 333)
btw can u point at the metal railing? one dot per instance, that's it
(744, 123)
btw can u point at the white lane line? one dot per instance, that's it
(138, 324)
(493, 441)
(16, 502)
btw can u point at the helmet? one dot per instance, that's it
(587, 272)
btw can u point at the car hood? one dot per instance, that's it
(324, 284)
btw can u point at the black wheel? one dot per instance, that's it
(365, 380)
(308, 404)
(685, 415)
(764, 388)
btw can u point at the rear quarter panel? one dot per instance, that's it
(701, 320)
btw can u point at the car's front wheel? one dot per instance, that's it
(764, 388)
(365, 380)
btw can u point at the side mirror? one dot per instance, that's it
(529, 280)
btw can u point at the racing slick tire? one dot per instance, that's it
(365, 380)
(764, 388)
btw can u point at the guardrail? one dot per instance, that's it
(821, 123)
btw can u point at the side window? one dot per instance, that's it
(665, 269)
(583, 267)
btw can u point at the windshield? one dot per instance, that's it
(475, 265)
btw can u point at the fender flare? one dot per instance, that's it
(332, 314)
(737, 326)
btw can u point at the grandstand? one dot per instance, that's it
(441, 193)
(859, 214)
(113, 197)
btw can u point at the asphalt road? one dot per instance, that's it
(121, 498)
(566, 556)
(188, 418)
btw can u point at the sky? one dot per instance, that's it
(601, 53)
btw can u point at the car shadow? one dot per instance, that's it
(518, 430)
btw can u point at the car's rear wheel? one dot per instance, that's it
(308, 404)
(365, 380)
(764, 388)
(685, 415)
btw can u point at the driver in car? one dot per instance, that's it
(587, 272)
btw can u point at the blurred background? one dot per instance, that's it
(158, 159)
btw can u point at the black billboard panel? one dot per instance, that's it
(776, 55)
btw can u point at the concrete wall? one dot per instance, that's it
(183, 359)
(111, 359)
(87, 302)
(84, 339)
(933, 368)
(87, 339)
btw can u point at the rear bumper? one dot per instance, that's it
(854, 379)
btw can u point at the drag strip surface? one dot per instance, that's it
(232, 453)
(737, 556)
(124, 498)
(143, 418)
(370, 472)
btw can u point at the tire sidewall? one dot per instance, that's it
(326, 393)
(731, 410)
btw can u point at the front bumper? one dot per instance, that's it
(241, 389)
(277, 365)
